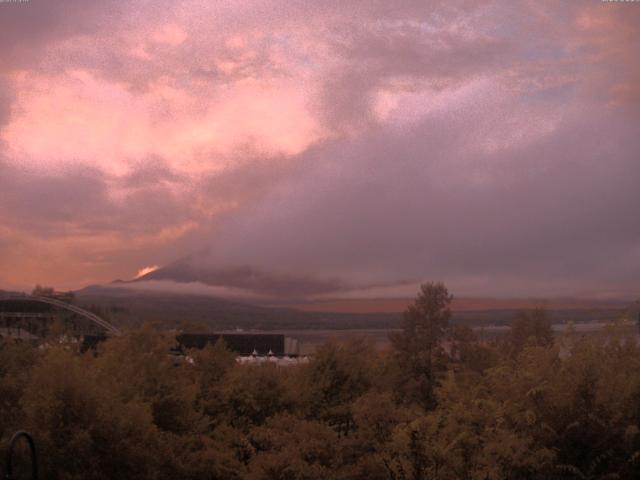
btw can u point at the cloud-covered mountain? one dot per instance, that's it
(244, 279)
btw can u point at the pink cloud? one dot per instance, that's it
(76, 118)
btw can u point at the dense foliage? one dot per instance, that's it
(437, 405)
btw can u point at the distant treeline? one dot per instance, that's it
(506, 317)
(438, 404)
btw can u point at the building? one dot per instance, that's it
(244, 344)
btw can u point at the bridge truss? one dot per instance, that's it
(94, 319)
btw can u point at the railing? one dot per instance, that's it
(8, 475)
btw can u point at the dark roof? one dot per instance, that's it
(23, 306)
(241, 343)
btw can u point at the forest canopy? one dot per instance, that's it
(438, 404)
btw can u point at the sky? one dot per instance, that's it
(333, 148)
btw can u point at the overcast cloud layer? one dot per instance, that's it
(258, 145)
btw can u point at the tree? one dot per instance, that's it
(531, 328)
(82, 430)
(337, 376)
(16, 360)
(40, 291)
(253, 393)
(212, 364)
(140, 368)
(468, 352)
(418, 348)
(292, 448)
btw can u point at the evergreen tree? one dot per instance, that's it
(418, 348)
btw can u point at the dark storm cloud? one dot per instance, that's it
(395, 208)
(554, 214)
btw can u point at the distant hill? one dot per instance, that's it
(125, 306)
(128, 306)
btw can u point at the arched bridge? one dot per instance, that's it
(92, 317)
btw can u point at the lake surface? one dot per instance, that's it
(309, 340)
